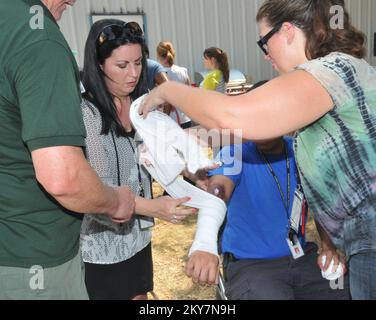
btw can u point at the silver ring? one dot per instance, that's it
(174, 217)
(174, 221)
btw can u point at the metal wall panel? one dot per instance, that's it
(193, 25)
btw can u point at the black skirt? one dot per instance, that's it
(121, 281)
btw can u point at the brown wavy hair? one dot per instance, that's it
(314, 17)
(165, 50)
(222, 61)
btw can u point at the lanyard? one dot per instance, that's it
(141, 191)
(286, 203)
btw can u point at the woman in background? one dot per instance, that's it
(166, 57)
(216, 61)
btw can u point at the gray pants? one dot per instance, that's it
(282, 279)
(64, 282)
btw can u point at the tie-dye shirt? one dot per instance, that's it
(336, 155)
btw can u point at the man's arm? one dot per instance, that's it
(203, 267)
(66, 175)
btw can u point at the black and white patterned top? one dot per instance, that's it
(102, 240)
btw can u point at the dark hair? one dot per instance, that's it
(222, 60)
(314, 17)
(93, 77)
(166, 51)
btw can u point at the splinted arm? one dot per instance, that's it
(210, 220)
(203, 262)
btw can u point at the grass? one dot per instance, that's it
(171, 244)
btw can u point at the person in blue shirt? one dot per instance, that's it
(258, 181)
(156, 72)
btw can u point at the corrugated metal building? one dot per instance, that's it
(193, 25)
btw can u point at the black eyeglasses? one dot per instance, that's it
(262, 43)
(115, 31)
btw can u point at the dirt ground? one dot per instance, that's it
(171, 244)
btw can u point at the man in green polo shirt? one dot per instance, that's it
(45, 180)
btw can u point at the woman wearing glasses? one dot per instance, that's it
(216, 61)
(117, 257)
(327, 93)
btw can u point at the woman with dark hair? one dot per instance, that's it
(216, 61)
(327, 93)
(117, 257)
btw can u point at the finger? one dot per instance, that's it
(319, 261)
(214, 166)
(204, 276)
(336, 263)
(120, 221)
(203, 185)
(213, 275)
(189, 268)
(147, 163)
(175, 220)
(181, 201)
(344, 264)
(328, 261)
(217, 276)
(184, 213)
(142, 108)
(196, 274)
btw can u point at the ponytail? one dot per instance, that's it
(222, 61)
(166, 51)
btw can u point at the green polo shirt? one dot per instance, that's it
(39, 108)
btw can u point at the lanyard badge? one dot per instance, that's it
(296, 220)
(294, 245)
(296, 212)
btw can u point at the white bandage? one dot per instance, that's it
(330, 274)
(165, 140)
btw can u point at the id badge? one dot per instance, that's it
(145, 223)
(296, 211)
(295, 246)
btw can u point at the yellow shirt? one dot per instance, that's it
(214, 81)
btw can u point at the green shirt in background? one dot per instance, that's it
(39, 108)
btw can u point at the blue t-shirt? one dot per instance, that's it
(153, 69)
(257, 221)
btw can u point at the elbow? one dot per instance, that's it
(225, 122)
(57, 186)
(222, 123)
(217, 190)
